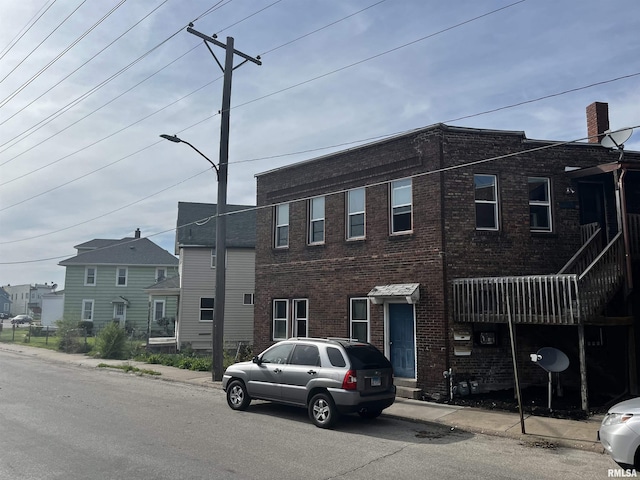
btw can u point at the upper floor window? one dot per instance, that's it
(161, 274)
(486, 199)
(213, 258)
(359, 318)
(401, 206)
(280, 319)
(355, 213)
(316, 220)
(539, 204)
(282, 225)
(121, 276)
(90, 275)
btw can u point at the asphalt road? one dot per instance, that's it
(67, 422)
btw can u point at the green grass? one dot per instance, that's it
(21, 336)
(130, 369)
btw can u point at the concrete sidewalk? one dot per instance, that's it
(542, 431)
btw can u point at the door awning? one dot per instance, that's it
(120, 300)
(407, 291)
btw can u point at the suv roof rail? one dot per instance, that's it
(343, 339)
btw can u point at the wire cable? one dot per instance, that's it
(14, 41)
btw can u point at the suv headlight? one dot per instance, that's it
(616, 418)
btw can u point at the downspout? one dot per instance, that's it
(443, 266)
(625, 233)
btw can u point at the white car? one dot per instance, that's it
(620, 433)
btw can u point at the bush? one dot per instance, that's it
(71, 338)
(110, 342)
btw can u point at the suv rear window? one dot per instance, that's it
(335, 357)
(366, 357)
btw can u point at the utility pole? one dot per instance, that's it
(217, 340)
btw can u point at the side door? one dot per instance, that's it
(303, 367)
(266, 376)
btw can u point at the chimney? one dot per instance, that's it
(597, 121)
(137, 233)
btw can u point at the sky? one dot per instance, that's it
(87, 87)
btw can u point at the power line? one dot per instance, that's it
(14, 41)
(341, 191)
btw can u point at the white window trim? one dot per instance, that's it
(86, 276)
(546, 204)
(244, 296)
(313, 220)
(352, 320)
(279, 225)
(392, 206)
(359, 212)
(294, 326)
(200, 309)
(158, 270)
(273, 319)
(92, 303)
(496, 213)
(126, 276)
(214, 258)
(164, 306)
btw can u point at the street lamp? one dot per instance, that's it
(217, 330)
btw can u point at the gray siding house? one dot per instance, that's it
(195, 246)
(106, 280)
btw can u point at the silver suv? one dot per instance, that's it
(329, 377)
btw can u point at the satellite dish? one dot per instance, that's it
(616, 139)
(552, 359)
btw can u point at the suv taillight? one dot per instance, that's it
(350, 381)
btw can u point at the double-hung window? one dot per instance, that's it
(401, 206)
(90, 276)
(282, 226)
(539, 204)
(300, 317)
(316, 220)
(213, 258)
(355, 213)
(158, 309)
(206, 309)
(359, 318)
(121, 276)
(248, 299)
(486, 200)
(280, 319)
(87, 310)
(161, 274)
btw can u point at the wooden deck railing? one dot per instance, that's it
(591, 248)
(562, 299)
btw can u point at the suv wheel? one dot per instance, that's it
(237, 396)
(322, 410)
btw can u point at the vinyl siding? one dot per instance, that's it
(105, 290)
(198, 280)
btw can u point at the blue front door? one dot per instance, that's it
(401, 340)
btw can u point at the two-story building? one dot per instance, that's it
(426, 244)
(105, 281)
(196, 247)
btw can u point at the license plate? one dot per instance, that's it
(375, 381)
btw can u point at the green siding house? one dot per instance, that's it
(106, 281)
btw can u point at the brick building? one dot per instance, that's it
(414, 242)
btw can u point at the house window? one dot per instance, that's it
(161, 274)
(401, 206)
(206, 309)
(355, 213)
(87, 310)
(539, 204)
(158, 309)
(248, 299)
(282, 225)
(316, 220)
(121, 277)
(486, 199)
(89, 276)
(213, 258)
(359, 316)
(280, 319)
(300, 317)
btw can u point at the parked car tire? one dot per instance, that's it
(237, 396)
(370, 414)
(322, 410)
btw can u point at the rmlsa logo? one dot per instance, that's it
(621, 473)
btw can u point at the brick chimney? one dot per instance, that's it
(137, 233)
(597, 121)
